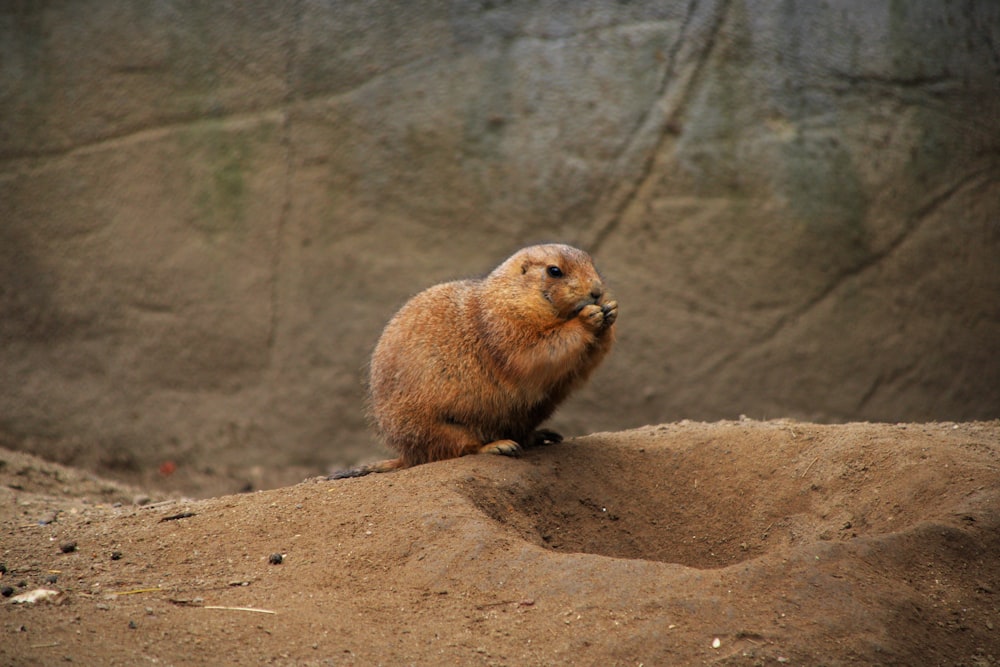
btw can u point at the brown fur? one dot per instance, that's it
(474, 366)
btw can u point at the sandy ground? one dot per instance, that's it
(734, 543)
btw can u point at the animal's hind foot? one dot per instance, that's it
(502, 447)
(544, 437)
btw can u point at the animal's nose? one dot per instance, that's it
(597, 290)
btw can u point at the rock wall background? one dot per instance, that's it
(209, 210)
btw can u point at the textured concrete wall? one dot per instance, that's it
(208, 210)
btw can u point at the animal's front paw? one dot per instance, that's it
(598, 317)
(592, 317)
(610, 310)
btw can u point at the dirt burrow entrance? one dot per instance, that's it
(704, 506)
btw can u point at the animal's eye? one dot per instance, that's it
(554, 271)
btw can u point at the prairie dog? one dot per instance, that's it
(475, 366)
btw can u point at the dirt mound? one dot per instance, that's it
(709, 505)
(738, 543)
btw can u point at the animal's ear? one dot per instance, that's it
(524, 267)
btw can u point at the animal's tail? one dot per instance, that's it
(360, 471)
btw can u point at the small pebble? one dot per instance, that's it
(275, 559)
(3, 568)
(6, 591)
(51, 579)
(132, 625)
(67, 547)
(37, 595)
(116, 555)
